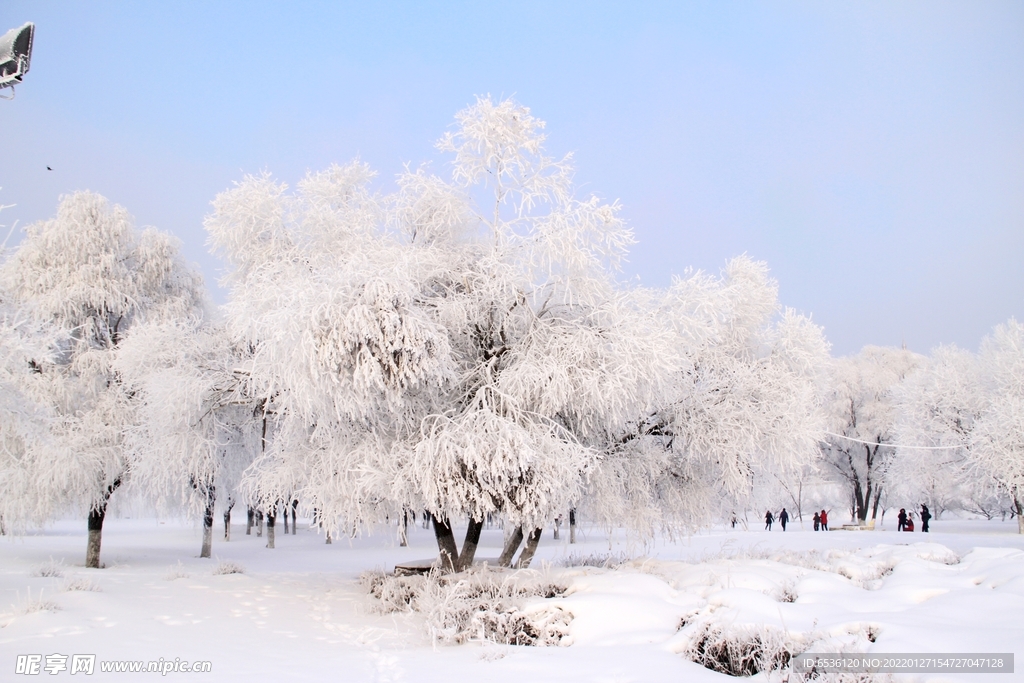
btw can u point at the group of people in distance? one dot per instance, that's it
(905, 520)
(820, 520)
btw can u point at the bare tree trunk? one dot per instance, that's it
(250, 518)
(403, 529)
(511, 546)
(92, 549)
(874, 505)
(259, 523)
(285, 519)
(558, 524)
(227, 519)
(449, 552)
(295, 510)
(530, 549)
(95, 526)
(469, 545)
(1020, 512)
(572, 525)
(271, 513)
(329, 541)
(211, 499)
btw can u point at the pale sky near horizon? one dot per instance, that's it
(872, 153)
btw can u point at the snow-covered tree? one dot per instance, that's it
(460, 347)
(743, 400)
(938, 408)
(195, 425)
(24, 344)
(88, 276)
(553, 355)
(997, 443)
(862, 413)
(341, 355)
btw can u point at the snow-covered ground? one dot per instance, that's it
(299, 611)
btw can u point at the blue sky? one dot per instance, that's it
(871, 153)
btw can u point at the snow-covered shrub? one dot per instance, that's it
(72, 584)
(227, 567)
(713, 639)
(176, 572)
(50, 569)
(395, 592)
(39, 604)
(786, 592)
(482, 604)
(738, 651)
(603, 560)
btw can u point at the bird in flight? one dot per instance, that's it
(48, 168)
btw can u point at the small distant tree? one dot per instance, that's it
(861, 410)
(89, 276)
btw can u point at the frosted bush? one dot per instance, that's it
(39, 604)
(755, 649)
(228, 568)
(603, 560)
(176, 572)
(481, 604)
(739, 651)
(79, 584)
(50, 569)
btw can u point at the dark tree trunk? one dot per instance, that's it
(860, 506)
(285, 520)
(295, 510)
(1020, 512)
(227, 518)
(211, 499)
(530, 549)
(449, 551)
(469, 545)
(511, 546)
(558, 524)
(874, 503)
(95, 525)
(572, 525)
(250, 519)
(403, 533)
(271, 514)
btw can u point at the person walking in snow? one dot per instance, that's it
(768, 519)
(817, 521)
(925, 516)
(783, 518)
(824, 521)
(901, 520)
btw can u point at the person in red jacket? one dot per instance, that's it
(824, 520)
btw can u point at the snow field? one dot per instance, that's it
(300, 612)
